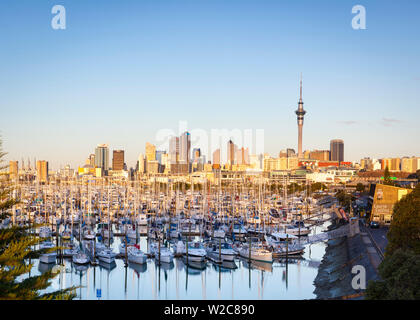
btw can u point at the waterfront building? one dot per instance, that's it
(102, 157)
(337, 150)
(231, 151)
(382, 200)
(118, 160)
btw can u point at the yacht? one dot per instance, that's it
(135, 255)
(196, 252)
(166, 255)
(47, 257)
(89, 234)
(80, 258)
(225, 252)
(106, 255)
(44, 232)
(142, 219)
(258, 253)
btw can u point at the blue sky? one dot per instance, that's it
(122, 70)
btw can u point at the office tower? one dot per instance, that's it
(42, 170)
(337, 150)
(141, 164)
(242, 156)
(196, 154)
(321, 155)
(231, 152)
(174, 150)
(291, 153)
(14, 169)
(159, 155)
(216, 157)
(300, 112)
(118, 160)
(102, 157)
(150, 152)
(184, 147)
(92, 160)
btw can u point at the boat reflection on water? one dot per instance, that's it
(194, 267)
(45, 267)
(107, 266)
(80, 268)
(139, 268)
(226, 266)
(166, 266)
(258, 265)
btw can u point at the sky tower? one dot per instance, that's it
(300, 115)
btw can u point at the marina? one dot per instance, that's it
(118, 242)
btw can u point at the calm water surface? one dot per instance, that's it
(278, 280)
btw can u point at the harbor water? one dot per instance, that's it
(292, 279)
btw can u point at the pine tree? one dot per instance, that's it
(16, 251)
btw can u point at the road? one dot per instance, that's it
(379, 235)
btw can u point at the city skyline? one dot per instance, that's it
(140, 67)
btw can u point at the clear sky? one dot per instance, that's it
(123, 70)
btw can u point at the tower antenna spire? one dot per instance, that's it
(300, 112)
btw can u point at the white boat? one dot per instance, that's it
(47, 257)
(195, 251)
(219, 233)
(142, 219)
(106, 255)
(226, 252)
(80, 258)
(44, 232)
(89, 234)
(257, 253)
(166, 255)
(135, 255)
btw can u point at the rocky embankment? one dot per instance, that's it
(334, 279)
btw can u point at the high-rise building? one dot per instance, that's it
(141, 164)
(242, 156)
(184, 147)
(337, 150)
(118, 160)
(216, 157)
(196, 154)
(42, 170)
(159, 155)
(150, 152)
(14, 169)
(300, 112)
(231, 148)
(102, 157)
(321, 155)
(174, 150)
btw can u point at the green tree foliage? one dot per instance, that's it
(317, 186)
(404, 231)
(400, 278)
(16, 251)
(344, 199)
(387, 177)
(360, 187)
